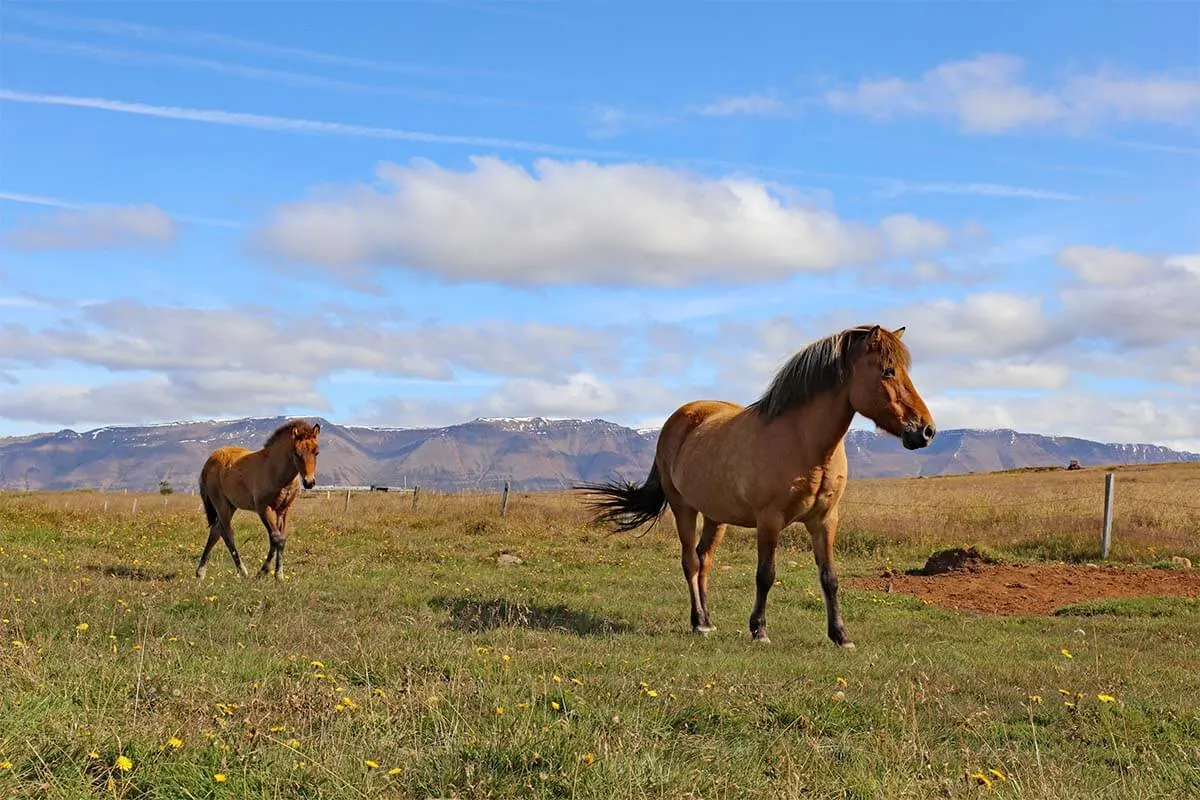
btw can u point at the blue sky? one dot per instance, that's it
(418, 213)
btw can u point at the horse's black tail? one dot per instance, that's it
(210, 511)
(626, 505)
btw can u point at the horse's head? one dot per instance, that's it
(881, 390)
(305, 447)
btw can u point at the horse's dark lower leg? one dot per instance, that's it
(823, 533)
(227, 535)
(710, 537)
(764, 579)
(278, 544)
(266, 567)
(214, 533)
(685, 524)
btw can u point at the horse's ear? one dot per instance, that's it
(317, 428)
(899, 332)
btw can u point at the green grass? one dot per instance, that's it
(584, 646)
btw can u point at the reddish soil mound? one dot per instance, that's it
(1021, 589)
(954, 560)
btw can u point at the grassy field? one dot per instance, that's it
(398, 658)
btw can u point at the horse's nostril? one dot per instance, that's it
(928, 433)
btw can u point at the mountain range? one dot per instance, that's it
(534, 454)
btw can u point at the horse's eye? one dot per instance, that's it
(890, 372)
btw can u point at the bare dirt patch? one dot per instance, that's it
(964, 581)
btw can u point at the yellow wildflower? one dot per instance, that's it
(588, 759)
(6, 765)
(316, 664)
(395, 771)
(1035, 698)
(293, 743)
(83, 626)
(576, 681)
(277, 728)
(556, 679)
(1106, 698)
(499, 711)
(998, 775)
(522, 705)
(371, 764)
(1066, 653)
(219, 777)
(842, 682)
(554, 704)
(124, 764)
(982, 780)
(93, 754)
(175, 742)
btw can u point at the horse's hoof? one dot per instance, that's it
(847, 645)
(703, 630)
(761, 637)
(200, 573)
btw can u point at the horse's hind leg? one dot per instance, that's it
(226, 524)
(710, 538)
(823, 532)
(214, 533)
(685, 524)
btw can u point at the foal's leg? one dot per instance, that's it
(769, 528)
(685, 524)
(283, 515)
(270, 522)
(214, 533)
(823, 532)
(226, 524)
(710, 537)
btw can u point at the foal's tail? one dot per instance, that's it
(626, 505)
(210, 510)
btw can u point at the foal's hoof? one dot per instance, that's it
(245, 573)
(847, 645)
(761, 637)
(201, 572)
(703, 630)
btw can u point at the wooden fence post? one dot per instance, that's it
(347, 508)
(134, 511)
(416, 494)
(1106, 535)
(504, 500)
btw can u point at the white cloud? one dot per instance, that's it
(759, 105)
(1106, 266)
(987, 94)
(986, 324)
(572, 222)
(125, 335)
(160, 398)
(312, 127)
(143, 32)
(95, 228)
(284, 77)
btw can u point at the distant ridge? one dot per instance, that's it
(533, 453)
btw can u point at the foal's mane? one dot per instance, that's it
(298, 429)
(823, 365)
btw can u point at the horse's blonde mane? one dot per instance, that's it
(298, 429)
(823, 365)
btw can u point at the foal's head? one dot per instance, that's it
(881, 390)
(304, 446)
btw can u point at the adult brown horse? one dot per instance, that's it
(265, 481)
(777, 461)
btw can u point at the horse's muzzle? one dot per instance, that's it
(309, 482)
(917, 436)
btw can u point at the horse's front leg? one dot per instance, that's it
(768, 529)
(689, 559)
(823, 531)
